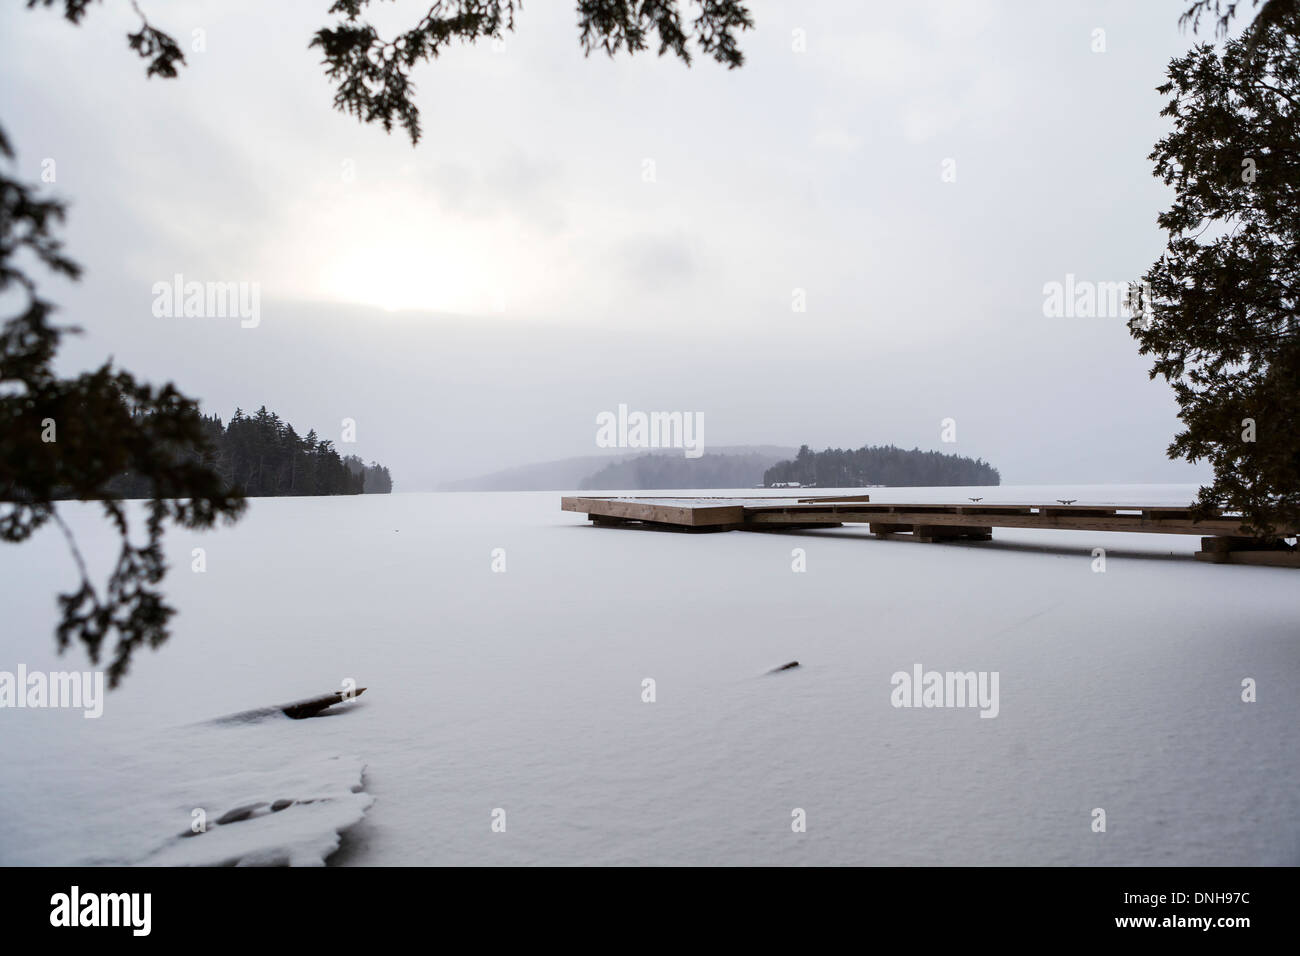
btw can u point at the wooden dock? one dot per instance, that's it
(1223, 540)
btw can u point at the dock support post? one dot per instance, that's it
(881, 529)
(1229, 549)
(948, 532)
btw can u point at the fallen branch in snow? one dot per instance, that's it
(314, 705)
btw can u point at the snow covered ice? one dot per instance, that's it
(521, 691)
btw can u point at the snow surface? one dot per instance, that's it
(522, 691)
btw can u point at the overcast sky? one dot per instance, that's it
(475, 301)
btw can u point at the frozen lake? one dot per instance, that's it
(522, 691)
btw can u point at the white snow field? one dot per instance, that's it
(522, 692)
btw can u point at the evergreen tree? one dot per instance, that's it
(1220, 305)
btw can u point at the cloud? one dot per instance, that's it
(656, 262)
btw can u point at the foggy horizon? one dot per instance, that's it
(473, 302)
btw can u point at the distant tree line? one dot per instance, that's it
(677, 471)
(880, 465)
(264, 456)
(375, 477)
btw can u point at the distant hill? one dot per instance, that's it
(568, 474)
(880, 465)
(561, 475)
(667, 470)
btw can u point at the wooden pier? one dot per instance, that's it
(1223, 540)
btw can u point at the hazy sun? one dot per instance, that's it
(405, 259)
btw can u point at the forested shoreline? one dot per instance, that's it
(880, 465)
(264, 456)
